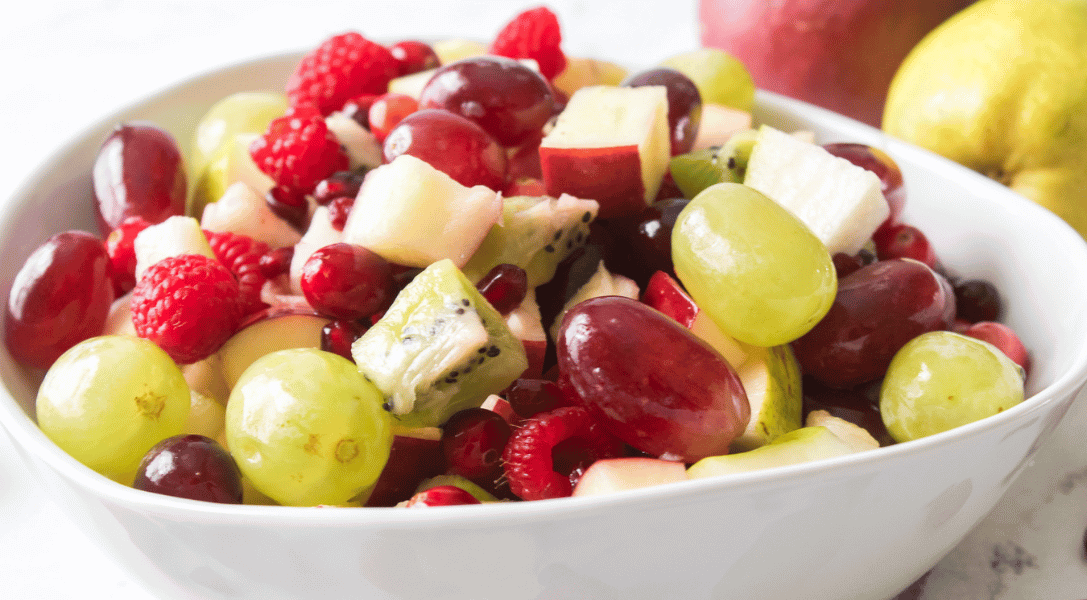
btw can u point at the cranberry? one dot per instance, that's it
(414, 56)
(347, 281)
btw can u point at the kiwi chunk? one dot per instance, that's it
(536, 234)
(698, 170)
(440, 348)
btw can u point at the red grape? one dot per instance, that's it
(684, 104)
(876, 311)
(663, 391)
(452, 144)
(977, 300)
(138, 172)
(347, 281)
(60, 297)
(191, 466)
(507, 99)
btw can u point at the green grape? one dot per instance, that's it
(108, 400)
(759, 273)
(720, 77)
(941, 380)
(240, 113)
(307, 428)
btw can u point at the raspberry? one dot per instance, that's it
(122, 256)
(342, 67)
(550, 451)
(298, 150)
(188, 305)
(533, 34)
(241, 254)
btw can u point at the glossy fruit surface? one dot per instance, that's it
(414, 56)
(942, 380)
(190, 466)
(109, 399)
(307, 428)
(904, 241)
(139, 171)
(347, 281)
(387, 111)
(876, 311)
(877, 161)
(640, 245)
(60, 297)
(663, 391)
(472, 441)
(505, 287)
(507, 99)
(442, 495)
(684, 104)
(452, 144)
(977, 300)
(756, 269)
(720, 77)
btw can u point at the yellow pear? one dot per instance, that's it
(1001, 88)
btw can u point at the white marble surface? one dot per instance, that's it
(68, 63)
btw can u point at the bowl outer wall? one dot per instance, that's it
(863, 526)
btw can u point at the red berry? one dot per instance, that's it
(504, 287)
(542, 455)
(442, 495)
(414, 56)
(342, 67)
(472, 441)
(122, 255)
(188, 305)
(338, 336)
(340, 183)
(904, 241)
(241, 254)
(387, 111)
(1004, 338)
(298, 151)
(276, 262)
(338, 211)
(533, 34)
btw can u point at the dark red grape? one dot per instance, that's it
(452, 144)
(139, 171)
(640, 245)
(191, 466)
(472, 442)
(876, 311)
(684, 104)
(663, 391)
(507, 99)
(977, 300)
(346, 281)
(60, 297)
(505, 287)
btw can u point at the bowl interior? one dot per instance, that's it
(979, 228)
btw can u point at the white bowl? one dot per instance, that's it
(861, 526)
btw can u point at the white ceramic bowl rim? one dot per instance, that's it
(26, 433)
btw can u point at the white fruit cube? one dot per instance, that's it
(414, 215)
(610, 144)
(319, 234)
(242, 210)
(840, 202)
(630, 473)
(363, 149)
(175, 236)
(718, 124)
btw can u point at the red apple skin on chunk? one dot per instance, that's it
(611, 176)
(411, 461)
(664, 391)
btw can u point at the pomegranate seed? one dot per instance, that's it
(443, 495)
(338, 336)
(341, 183)
(472, 441)
(338, 211)
(505, 287)
(276, 262)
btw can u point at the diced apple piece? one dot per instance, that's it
(799, 446)
(319, 234)
(411, 85)
(527, 325)
(414, 215)
(269, 330)
(719, 123)
(242, 210)
(584, 72)
(840, 202)
(610, 144)
(175, 236)
(602, 283)
(612, 475)
(852, 434)
(362, 147)
(454, 49)
(500, 406)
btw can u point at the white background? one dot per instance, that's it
(65, 64)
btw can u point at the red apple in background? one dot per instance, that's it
(838, 55)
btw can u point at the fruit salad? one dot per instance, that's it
(457, 273)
